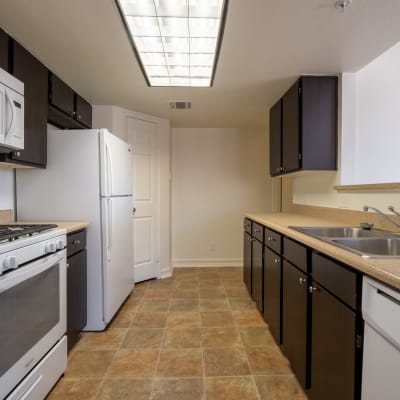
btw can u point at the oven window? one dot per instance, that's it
(27, 312)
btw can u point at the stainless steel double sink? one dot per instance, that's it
(368, 243)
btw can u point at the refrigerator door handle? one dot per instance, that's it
(109, 171)
(109, 228)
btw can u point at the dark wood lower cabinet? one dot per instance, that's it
(272, 292)
(294, 320)
(333, 352)
(76, 296)
(257, 273)
(247, 261)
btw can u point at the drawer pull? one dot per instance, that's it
(270, 239)
(313, 289)
(302, 281)
(257, 231)
(77, 241)
(277, 261)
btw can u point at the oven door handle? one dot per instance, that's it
(28, 271)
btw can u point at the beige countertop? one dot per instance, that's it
(70, 226)
(385, 270)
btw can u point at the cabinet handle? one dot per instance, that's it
(257, 231)
(79, 116)
(277, 261)
(77, 241)
(73, 113)
(67, 265)
(249, 239)
(313, 289)
(17, 153)
(302, 281)
(279, 169)
(270, 239)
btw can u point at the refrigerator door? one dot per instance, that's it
(116, 165)
(117, 252)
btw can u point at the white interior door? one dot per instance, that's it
(144, 139)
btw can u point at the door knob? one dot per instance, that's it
(133, 210)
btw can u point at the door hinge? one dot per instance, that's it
(299, 156)
(359, 341)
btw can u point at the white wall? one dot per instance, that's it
(6, 189)
(217, 176)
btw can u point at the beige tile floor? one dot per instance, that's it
(194, 336)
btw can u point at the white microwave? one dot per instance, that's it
(11, 113)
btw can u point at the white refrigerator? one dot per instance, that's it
(89, 178)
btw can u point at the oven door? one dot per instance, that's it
(33, 316)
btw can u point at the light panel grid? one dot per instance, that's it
(176, 40)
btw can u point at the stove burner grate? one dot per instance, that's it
(9, 233)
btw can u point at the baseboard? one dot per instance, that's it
(208, 262)
(167, 271)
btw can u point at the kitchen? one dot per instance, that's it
(211, 161)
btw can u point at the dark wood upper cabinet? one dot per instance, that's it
(290, 129)
(61, 96)
(275, 138)
(67, 110)
(309, 126)
(4, 49)
(83, 111)
(33, 74)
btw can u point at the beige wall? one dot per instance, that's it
(217, 175)
(6, 189)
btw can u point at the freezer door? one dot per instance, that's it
(116, 165)
(117, 249)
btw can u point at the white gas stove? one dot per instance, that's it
(33, 344)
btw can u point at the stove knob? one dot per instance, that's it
(60, 244)
(50, 247)
(10, 262)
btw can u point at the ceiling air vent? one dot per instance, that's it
(180, 105)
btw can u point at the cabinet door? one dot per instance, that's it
(247, 261)
(294, 320)
(62, 96)
(272, 292)
(275, 137)
(34, 75)
(291, 129)
(83, 111)
(333, 348)
(76, 296)
(257, 274)
(3, 50)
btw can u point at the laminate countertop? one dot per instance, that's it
(70, 226)
(384, 270)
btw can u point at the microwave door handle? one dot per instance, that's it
(7, 98)
(109, 171)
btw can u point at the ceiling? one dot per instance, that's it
(266, 45)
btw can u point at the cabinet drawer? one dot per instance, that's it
(76, 241)
(247, 225)
(336, 278)
(295, 253)
(273, 240)
(258, 231)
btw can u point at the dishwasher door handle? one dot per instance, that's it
(388, 296)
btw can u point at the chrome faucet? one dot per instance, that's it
(391, 208)
(383, 215)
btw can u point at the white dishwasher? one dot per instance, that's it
(381, 358)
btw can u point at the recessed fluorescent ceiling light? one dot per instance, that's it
(177, 41)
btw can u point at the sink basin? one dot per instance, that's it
(339, 232)
(388, 247)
